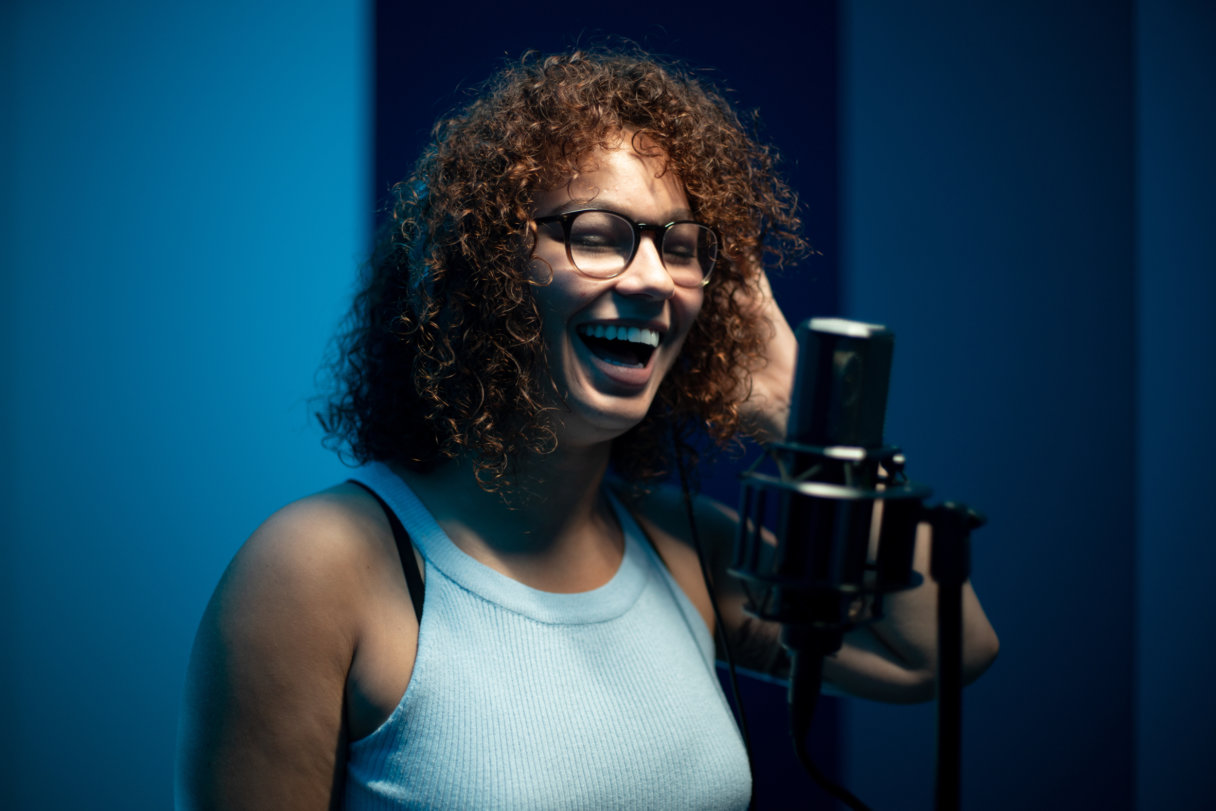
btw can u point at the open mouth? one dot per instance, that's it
(619, 344)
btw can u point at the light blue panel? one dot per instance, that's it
(989, 221)
(185, 205)
(1176, 177)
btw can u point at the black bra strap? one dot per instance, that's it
(405, 549)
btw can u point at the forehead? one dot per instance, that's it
(630, 175)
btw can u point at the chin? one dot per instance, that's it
(601, 418)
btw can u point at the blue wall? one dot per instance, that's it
(185, 197)
(1176, 437)
(989, 219)
(1027, 201)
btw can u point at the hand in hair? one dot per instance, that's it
(765, 408)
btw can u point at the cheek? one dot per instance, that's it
(689, 308)
(690, 304)
(559, 300)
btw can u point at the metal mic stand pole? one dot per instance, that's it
(950, 567)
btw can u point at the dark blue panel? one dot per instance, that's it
(1177, 436)
(989, 220)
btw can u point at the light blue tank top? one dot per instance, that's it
(524, 699)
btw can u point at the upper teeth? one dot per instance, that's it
(612, 332)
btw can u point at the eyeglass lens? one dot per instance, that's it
(601, 244)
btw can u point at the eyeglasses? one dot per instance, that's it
(601, 244)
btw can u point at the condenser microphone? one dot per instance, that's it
(835, 431)
(826, 571)
(828, 477)
(826, 484)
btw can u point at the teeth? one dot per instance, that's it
(612, 332)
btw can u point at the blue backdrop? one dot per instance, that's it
(185, 198)
(1025, 197)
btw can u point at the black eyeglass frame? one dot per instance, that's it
(639, 228)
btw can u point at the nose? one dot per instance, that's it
(647, 276)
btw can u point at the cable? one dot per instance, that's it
(802, 702)
(806, 670)
(713, 601)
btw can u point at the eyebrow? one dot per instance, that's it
(595, 205)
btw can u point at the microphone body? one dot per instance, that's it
(828, 477)
(840, 383)
(836, 421)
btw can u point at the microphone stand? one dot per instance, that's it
(819, 574)
(950, 566)
(810, 591)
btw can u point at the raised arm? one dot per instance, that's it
(263, 715)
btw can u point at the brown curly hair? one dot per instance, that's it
(442, 355)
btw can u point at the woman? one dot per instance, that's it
(572, 279)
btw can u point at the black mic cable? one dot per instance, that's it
(805, 673)
(683, 453)
(806, 681)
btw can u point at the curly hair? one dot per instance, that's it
(442, 354)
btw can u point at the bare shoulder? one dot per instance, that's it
(316, 547)
(307, 561)
(263, 717)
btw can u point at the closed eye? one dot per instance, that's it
(593, 242)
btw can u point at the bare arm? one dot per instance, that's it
(263, 718)
(895, 658)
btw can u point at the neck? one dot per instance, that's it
(551, 529)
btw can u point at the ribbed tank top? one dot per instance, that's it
(525, 699)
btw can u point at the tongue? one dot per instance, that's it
(622, 353)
